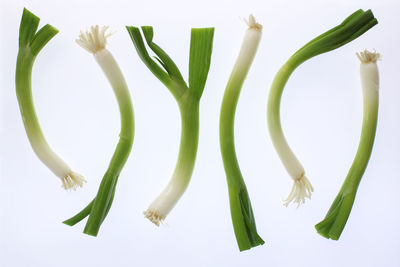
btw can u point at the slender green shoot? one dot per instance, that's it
(335, 220)
(351, 28)
(31, 43)
(94, 41)
(241, 211)
(187, 97)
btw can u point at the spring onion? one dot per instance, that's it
(187, 97)
(351, 28)
(336, 218)
(241, 211)
(94, 41)
(31, 43)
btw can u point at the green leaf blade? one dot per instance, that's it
(167, 62)
(138, 42)
(28, 36)
(42, 37)
(243, 220)
(351, 28)
(200, 58)
(28, 27)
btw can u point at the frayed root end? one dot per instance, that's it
(154, 217)
(301, 190)
(94, 39)
(252, 23)
(368, 57)
(72, 180)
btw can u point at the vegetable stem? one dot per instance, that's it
(188, 99)
(163, 204)
(30, 44)
(335, 220)
(351, 28)
(94, 41)
(241, 211)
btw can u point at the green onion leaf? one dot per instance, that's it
(200, 59)
(167, 62)
(94, 41)
(241, 211)
(187, 98)
(137, 40)
(30, 44)
(355, 25)
(335, 220)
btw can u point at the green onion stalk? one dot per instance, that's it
(94, 41)
(241, 211)
(352, 27)
(335, 220)
(187, 98)
(31, 43)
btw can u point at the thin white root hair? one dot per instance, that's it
(154, 217)
(72, 180)
(94, 39)
(366, 56)
(252, 23)
(301, 190)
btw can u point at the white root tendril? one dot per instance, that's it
(154, 217)
(366, 56)
(252, 23)
(72, 180)
(94, 39)
(301, 190)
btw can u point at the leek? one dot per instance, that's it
(352, 27)
(188, 99)
(241, 211)
(338, 214)
(94, 41)
(31, 43)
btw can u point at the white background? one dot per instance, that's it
(321, 116)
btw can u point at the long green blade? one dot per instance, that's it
(163, 57)
(352, 27)
(200, 58)
(137, 40)
(27, 30)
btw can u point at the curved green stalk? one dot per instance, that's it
(95, 41)
(188, 99)
(241, 211)
(30, 44)
(335, 220)
(351, 28)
